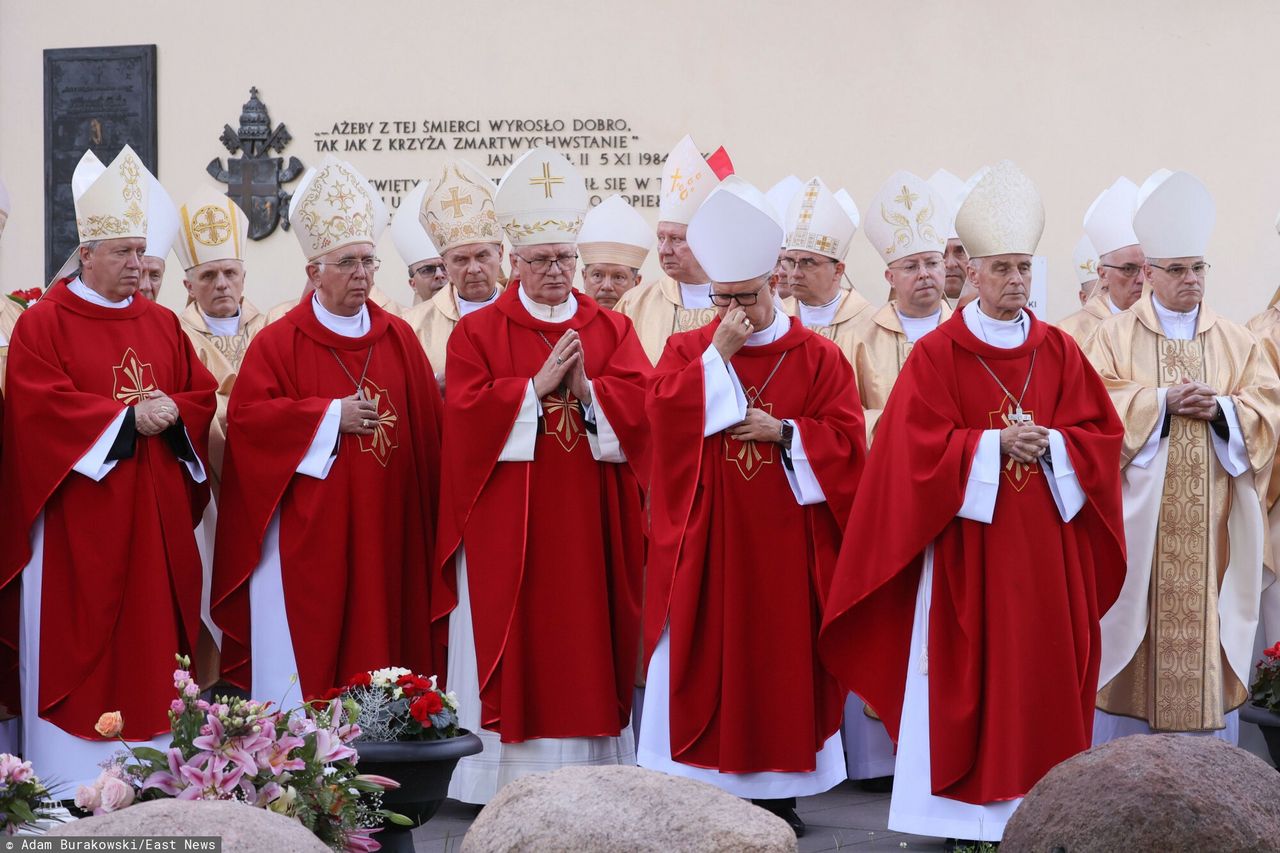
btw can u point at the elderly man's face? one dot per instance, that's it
(152, 277)
(1178, 282)
(917, 282)
(606, 283)
(957, 262)
(754, 296)
(426, 277)
(217, 286)
(546, 271)
(473, 269)
(814, 278)
(343, 278)
(114, 268)
(1003, 283)
(1121, 274)
(676, 257)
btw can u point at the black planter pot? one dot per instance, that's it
(423, 769)
(1269, 722)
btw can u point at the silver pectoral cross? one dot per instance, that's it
(1018, 417)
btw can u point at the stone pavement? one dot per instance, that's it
(844, 817)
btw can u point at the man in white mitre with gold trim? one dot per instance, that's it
(457, 216)
(681, 299)
(1108, 226)
(9, 310)
(780, 195)
(421, 258)
(1200, 403)
(820, 226)
(614, 241)
(907, 226)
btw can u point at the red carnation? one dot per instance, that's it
(1273, 652)
(360, 679)
(420, 708)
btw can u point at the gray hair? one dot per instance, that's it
(976, 263)
(91, 245)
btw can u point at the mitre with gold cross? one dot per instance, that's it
(1002, 214)
(213, 228)
(334, 206)
(111, 201)
(687, 180)
(816, 221)
(907, 217)
(458, 208)
(541, 199)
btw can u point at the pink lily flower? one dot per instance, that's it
(211, 782)
(330, 748)
(361, 841)
(170, 781)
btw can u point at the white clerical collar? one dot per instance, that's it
(819, 315)
(695, 295)
(88, 294)
(1005, 334)
(223, 327)
(561, 313)
(1178, 325)
(465, 306)
(1112, 305)
(916, 328)
(355, 326)
(780, 326)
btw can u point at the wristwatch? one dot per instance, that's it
(788, 430)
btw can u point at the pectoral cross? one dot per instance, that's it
(1018, 417)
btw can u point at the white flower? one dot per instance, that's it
(451, 700)
(387, 676)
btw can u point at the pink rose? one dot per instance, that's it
(88, 797)
(177, 706)
(110, 724)
(22, 772)
(192, 689)
(116, 794)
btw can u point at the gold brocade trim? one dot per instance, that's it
(904, 349)
(133, 379)
(516, 229)
(232, 347)
(688, 319)
(1017, 473)
(561, 407)
(749, 456)
(385, 436)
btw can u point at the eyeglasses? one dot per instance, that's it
(914, 267)
(428, 269)
(1180, 270)
(1127, 271)
(542, 265)
(743, 299)
(348, 265)
(806, 264)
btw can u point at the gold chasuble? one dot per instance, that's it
(1082, 324)
(1177, 647)
(433, 321)
(9, 314)
(880, 348)
(658, 312)
(1267, 327)
(222, 354)
(852, 312)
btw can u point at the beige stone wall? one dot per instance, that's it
(1076, 93)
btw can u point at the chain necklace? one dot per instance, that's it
(755, 398)
(363, 373)
(1017, 417)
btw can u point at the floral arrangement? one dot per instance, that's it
(299, 764)
(1266, 684)
(395, 704)
(24, 298)
(23, 798)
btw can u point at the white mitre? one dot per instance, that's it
(111, 201)
(411, 239)
(906, 217)
(334, 207)
(162, 219)
(1085, 260)
(212, 228)
(541, 199)
(1002, 214)
(458, 209)
(687, 180)
(781, 194)
(5, 206)
(1108, 223)
(614, 232)
(736, 233)
(1176, 218)
(816, 221)
(952, 192)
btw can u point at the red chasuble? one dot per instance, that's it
(355, 547)
(554, 547)
(121, 582)
(1013, 639)
(736, 566)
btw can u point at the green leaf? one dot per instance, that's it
(147, 753)
(22, 810)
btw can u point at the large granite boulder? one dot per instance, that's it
(1151, 792)
(243, 829)
(603, 809)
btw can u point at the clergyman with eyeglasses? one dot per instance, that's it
(330, 481)
(1108, 225)
(541, 537)
(1200, 402)
(751, 414)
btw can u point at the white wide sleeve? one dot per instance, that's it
(1230, 451)
(194, 467)
(726, 402)
(324, 447)
(94, 464)
(1144, 456)
(804, 484)
(984, 480)
(524, 432)
(605, 446)
(1063, 483)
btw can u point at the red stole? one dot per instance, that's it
(355, 547)
(554, 547)
(121, 577)
(1013, 639)
(736, 566)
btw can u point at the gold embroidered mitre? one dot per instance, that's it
(114, 204)
(542, 199)
(1002, 215)
(335, 207)
(817, 221)
(213, 229)
(458, 209)
(906, 218)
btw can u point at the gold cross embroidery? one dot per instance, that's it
(210, 226)
(134, 380)
(563, 406)
(906, 198)
(1017, 473)
(385, 438)
(456, 202)
(747, 455)
(547, 179)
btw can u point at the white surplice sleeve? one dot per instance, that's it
(725, 401)
(804, 484)
(324, 447)
(1230, 451)
(1144, 457)
(984, 480)
(1061, 474)
(93, 464)
(605, 446)
(524, 432)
